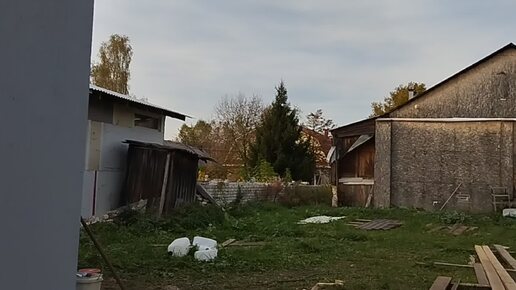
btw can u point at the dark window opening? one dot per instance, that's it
(147, 121)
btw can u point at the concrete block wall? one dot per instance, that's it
(426, 161)
(226, 192)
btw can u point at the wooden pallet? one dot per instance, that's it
(379, 224)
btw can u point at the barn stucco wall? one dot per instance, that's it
(382, 166)
(486, 91)
(428, 160)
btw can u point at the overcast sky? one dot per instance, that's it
(336, 55)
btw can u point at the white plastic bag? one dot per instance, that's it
(179, 247)
(204, 243)
(206, 255)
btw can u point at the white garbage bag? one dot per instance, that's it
(179, 247)
(206, 255)
(509, 212)
(204, 243)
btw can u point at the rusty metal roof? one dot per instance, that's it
(141, 102)
(173, 146)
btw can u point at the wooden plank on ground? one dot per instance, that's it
(481, 274)
(507, 280)
(202, 192)
(510, 271)
(247, 244)
(506, 256)
(228, 242)
(455, 285)
(441, 283)
(370, 225)
(460, 230)
(492, 275)
(380, 225)
(468, 286)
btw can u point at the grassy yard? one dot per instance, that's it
(295, 256)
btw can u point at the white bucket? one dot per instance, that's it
(89, 283)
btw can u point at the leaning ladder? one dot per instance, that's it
(500, 198)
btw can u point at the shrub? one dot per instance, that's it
(453, 217)
(296, 195)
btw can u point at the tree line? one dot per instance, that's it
(264, 141)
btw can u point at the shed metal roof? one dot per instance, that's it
(141, 102)
(173, 146)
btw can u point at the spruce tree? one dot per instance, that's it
(279, 141)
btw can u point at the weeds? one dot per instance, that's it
(453, 217)
(323, 252)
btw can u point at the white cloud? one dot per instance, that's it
(334, 55)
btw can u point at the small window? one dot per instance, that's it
(147, 121)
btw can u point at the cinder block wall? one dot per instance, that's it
(226, 192)
(419, 164)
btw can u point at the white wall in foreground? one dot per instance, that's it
(102, 194)
(45, 57)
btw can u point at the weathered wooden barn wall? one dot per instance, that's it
(428, 160)
(359, 162)
(485, 91)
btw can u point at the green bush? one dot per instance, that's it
(453, 217)
(193, 217)
(297, 195)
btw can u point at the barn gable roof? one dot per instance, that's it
(454, 76)
(366, 126)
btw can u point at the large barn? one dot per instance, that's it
(451, 147)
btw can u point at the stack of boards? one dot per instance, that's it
(492, 272)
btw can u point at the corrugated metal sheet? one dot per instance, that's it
(167, 112)
(361, 140)
(173, 146)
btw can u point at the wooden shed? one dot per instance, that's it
(164, 175)
(354, 155)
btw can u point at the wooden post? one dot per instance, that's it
(104, 256)
(335, 190)
(164, 186)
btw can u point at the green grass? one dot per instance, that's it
(295, 256)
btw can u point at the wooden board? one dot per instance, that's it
(506, 256)
(455, 286)
(380, 224)
(481, 274)
(468, 286)
(441, 283)
(227, 243)
(507, 280)
(492, 275)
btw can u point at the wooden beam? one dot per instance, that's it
(506, 256)
(468, 286)
(510, 271)
(481, 274)
(227, 243)
(504, 276)
(441, 283)
(164, 186)
(492, 275)
(455, 286)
